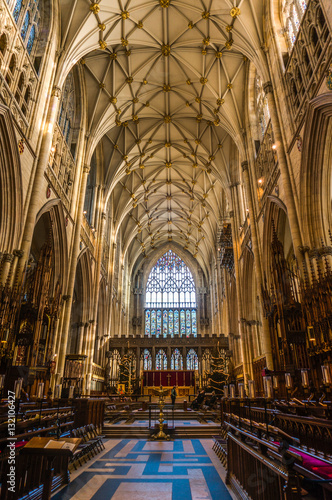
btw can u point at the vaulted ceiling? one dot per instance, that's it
(165, 84)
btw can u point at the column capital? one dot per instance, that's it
(8, 257)
(245, 165)
(231, 214)
(56, 92)
(237, 183)
(86, 168)
(103, 215)
(65, 297)
(268, 87)
(18, 253)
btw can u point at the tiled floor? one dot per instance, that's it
(146, 470)
(177, 423)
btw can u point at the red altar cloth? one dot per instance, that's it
(176, 377)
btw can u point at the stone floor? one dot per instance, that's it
(136, 469)
(178, 423)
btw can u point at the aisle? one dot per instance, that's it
(145, 470)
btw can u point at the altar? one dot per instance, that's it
(184, 380)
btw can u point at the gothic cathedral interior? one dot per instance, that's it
(166, 249)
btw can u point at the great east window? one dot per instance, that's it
(170, 304)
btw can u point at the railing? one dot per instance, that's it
(259, 469)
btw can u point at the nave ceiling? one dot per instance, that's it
(165, 86)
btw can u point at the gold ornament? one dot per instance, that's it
(205, 14)
(113, 56)
(235, 12)
(124, 14)
(124, 42)
(165, 50)
(95, 8)
(102, 44)
(102, 26)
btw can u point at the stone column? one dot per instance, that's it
(184, 354)
(72, 273)
(79, 340)
(265, 332)
(245, 361)
(285, 175)
(7, 259)
(153, 355)
(43, 158)
(91, 340)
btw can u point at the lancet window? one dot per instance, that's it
(161, 360)
(192, 360)
(27, 18)
(292, 12)
(176, 360)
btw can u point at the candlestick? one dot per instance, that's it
(226, 391)
(232, 390)
(275, 382)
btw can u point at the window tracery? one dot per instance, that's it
(170, 306)
(192, 360)
(262, 107)
(161, 360)
(292, 13)
(27, 19)
(147, 360)
(176, 360)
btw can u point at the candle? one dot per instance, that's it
(2, 381)
(18, 387)
(251, 388)
(305, 378)
(241, 391)
(57, 392)
(40, 390)
(275, 382)
(226, 391)
(71, 392)
(288, 380)
(326, 374)
(268, 386)
(232, 390)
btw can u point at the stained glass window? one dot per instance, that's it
(192, 360)
(161, 360)
(292, 13)
(66, 114)
(147, 360)
(147, 322)
(158, 323)
(171, 324)
(153, 322)
(183, 323)
(171, 283)
(165, 318)
(188, 323)
(17, 10)
(31, 39)
(176, 322)
(171, 287)
(194, 323)
(176, 360)
(25, 26)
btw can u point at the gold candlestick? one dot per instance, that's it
(161, 434)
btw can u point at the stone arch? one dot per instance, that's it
(10, 185)
(59, 235)
(316, 172)
(276, 218)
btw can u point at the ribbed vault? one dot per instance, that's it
(165, 90)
